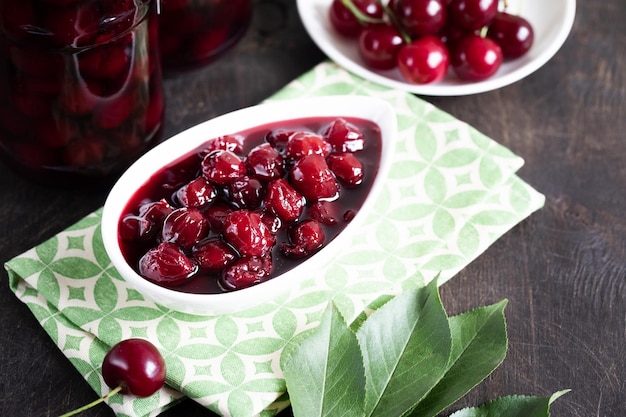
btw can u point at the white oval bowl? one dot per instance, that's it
(552, 21)
(181, 144)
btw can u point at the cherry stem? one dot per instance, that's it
(93, 403)
(361, 17)
(394, 21)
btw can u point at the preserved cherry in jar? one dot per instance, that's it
(194, 33)
(80, 87)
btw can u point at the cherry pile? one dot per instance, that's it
(193, 33)
(132, 366)
(246, 207)
(424, 38)
(80, 86)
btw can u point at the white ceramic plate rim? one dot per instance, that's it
(552, 21)
(363, 107)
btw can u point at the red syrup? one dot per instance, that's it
(204, 225)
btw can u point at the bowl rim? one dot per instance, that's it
(365, 107)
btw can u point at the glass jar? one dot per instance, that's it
(194, 33)
(80, 86)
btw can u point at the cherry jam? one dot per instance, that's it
(80, 86)
(247, 207)
(194, 33)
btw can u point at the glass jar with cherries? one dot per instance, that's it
(194, 33)
(80, 86)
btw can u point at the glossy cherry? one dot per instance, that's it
(197, 193)
(312, 178)
(344, 136)
(213, 255)
(245, 192)
(475, 58)
(265, 162)
(284, 201)
(184, 227)
(347, 168)
(222, 166)
(424, 60)
(247, 233)
(167, 264)
(133, 366)
(346, 23)
(304, 238)
(513, 33)
(245, 272)
(379, 46)
(472, 14)
(306, 143)
(227, 143)
(420, 17)
(136, 365)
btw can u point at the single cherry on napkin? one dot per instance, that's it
(133, 366)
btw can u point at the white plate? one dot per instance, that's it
(552, 21)
(368, 108)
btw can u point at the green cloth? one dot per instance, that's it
(450, 194)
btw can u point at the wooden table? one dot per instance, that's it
(563, 269)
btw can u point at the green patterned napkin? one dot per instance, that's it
(450, 194)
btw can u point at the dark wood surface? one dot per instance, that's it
(563, 269)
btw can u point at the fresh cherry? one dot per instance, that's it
(475, 58)
(420, 17)
(513, 33)
(136, 365)
(472, 14)
(346, 23)
(133, 366)
(379, 46)
(424, 61)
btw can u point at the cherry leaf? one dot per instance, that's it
(479, 345)
(324, 373)
(513, 406)
(406, 345)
